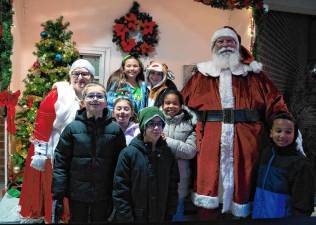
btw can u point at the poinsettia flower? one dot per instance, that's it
(148, 27)
(120, 30)
(128, 45)
(132, 21)
(146, 48)
(36, 64)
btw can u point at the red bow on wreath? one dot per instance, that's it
(10, 100)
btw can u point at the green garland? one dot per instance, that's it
(232, 4)
(6, 42)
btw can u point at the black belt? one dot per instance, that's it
(229, 115)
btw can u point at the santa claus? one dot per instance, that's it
(233, 99)
(56, 111)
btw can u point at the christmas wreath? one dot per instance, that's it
(135, 33)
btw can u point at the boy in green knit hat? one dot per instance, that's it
(146, 176)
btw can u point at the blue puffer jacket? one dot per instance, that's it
(284, 186)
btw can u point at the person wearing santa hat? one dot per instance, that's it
(233, 99)
(57, 110)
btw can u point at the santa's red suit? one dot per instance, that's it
(56, 111)
(228, 140)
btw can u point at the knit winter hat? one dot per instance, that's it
(147, 114)
(225, 32)
(82, 63)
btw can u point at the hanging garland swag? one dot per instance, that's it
(135, 33)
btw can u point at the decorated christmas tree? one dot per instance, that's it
(55, 52)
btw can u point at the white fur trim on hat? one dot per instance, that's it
(158, 67)
(82, 63)
(255, 66)
(224, 32)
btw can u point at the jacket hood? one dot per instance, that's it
(145, 148)
(181, 116)
(164, 80)
(82, 116)
(132, 126)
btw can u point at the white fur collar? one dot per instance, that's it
(208, 69)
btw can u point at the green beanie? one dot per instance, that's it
(148, 113)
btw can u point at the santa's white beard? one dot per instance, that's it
(226, 58)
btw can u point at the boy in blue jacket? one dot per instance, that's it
(285, 184)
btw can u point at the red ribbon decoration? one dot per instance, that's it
(10, 100)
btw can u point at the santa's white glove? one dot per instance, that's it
(299, 143)
(40, 155)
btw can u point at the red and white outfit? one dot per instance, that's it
(56, 111)
(228, 151)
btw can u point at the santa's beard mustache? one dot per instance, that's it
(226, 57)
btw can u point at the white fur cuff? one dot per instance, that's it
(204, 201)
(241, 210)
(38, 162)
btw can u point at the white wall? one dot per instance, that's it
(185, 29)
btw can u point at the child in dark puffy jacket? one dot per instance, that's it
(146, 176)
(285, 184)
(85, 160)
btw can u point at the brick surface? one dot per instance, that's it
(287, 49)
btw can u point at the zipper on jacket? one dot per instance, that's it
(268, 168)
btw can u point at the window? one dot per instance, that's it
(99, 57)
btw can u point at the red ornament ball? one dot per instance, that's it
(36, 64)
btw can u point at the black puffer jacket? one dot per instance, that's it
(145, 183)
(86, 157)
